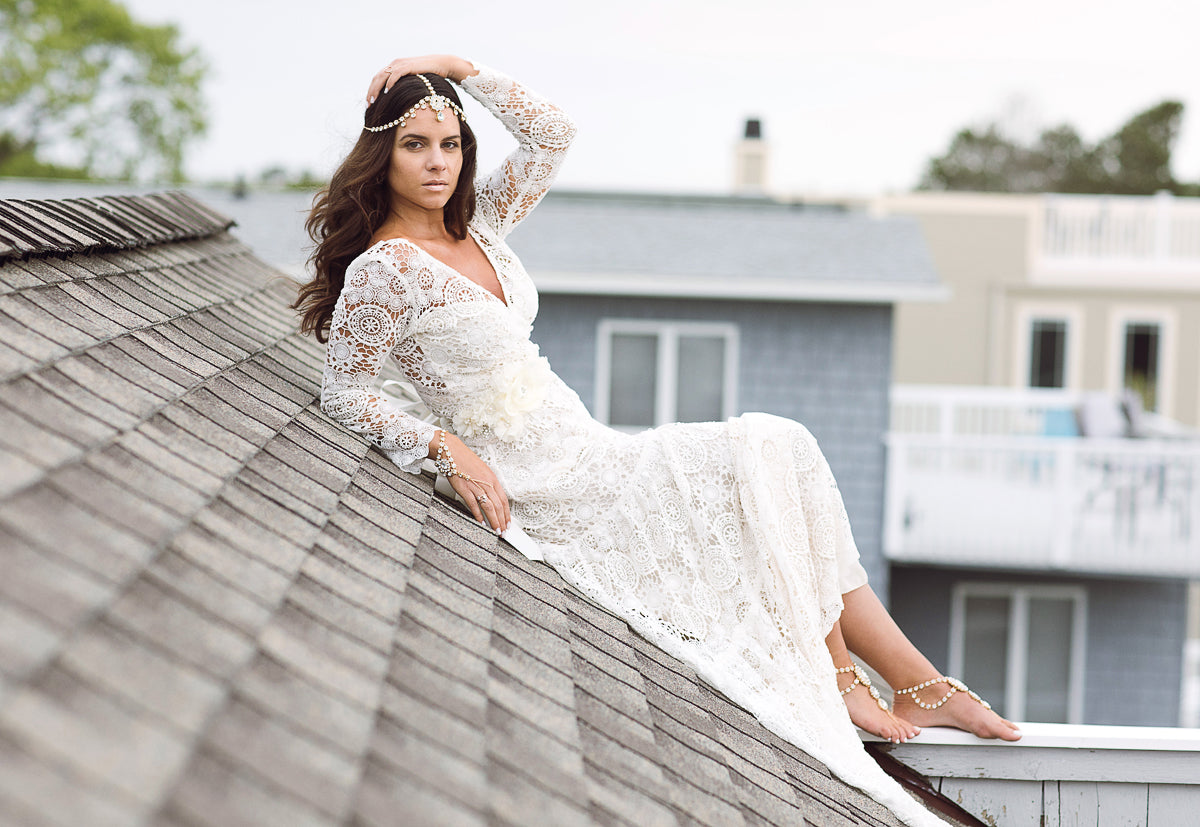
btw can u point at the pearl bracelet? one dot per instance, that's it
(444, 461)
(445, 464)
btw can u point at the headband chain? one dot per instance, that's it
(433, 101)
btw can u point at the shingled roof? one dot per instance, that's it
(218, 607)
(723, 247)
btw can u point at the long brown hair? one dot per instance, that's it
(346, 214)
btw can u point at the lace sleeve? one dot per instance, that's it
(372, 315)
(543, 133)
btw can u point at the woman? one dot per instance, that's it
(726, 544)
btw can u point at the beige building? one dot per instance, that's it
(1082, 293)
(1052, 298)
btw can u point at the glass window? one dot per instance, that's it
(1142, 342)
(1019, 647)
(651, 373)
(634, 380)
(700, 380)
(1047, 352)
(985, 648)
(1049, 674)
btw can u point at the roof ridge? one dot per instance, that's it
(36, 227)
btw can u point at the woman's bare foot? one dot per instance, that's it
(866, 712)
(960, 710)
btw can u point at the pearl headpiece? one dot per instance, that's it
(433, 101)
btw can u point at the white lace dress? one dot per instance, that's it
(726, 544)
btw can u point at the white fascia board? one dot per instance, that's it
(955, 203)
(1115, 274)
(743, 289)
(1056, 752)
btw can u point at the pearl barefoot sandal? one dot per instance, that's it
(955, 686)
(862, 679)
(971, 714)
(886, 725)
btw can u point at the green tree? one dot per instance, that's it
(1140, 152)
(977, 160)
(1066, 163)
(82, 83)
(1135, 160)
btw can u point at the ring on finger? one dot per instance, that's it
(483, 498)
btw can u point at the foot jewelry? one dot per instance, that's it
(955, 686)
(861, 678)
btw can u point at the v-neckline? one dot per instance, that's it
(502, 298)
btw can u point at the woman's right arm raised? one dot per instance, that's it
(543, 132)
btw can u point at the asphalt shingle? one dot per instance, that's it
(671, 237)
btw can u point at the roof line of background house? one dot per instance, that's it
(693, 199)
(745, 289)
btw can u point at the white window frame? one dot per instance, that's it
(668, 333)
(1167, 320)
(1072, 315)
(1017, 657)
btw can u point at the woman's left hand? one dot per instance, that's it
(448, 66)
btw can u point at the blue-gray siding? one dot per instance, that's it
(1135, 636)
(825, 365)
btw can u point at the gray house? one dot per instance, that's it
(677, 308)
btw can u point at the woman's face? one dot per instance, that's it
(426, 159)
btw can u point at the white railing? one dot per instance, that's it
(981, 477)
(951, 410)
(1103, 506)
(1158, 230)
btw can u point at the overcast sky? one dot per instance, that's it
(854, 96)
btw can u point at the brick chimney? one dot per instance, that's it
(750, 174)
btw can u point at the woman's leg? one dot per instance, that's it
(864, 709)
(870, 633)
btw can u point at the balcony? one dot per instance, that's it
(1093, 235)
(986, 477)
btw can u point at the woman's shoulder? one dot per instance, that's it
(383, 264)
(396, 254)
(394, 272)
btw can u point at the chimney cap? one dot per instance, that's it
(753, 129)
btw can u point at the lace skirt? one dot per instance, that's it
(728, 546)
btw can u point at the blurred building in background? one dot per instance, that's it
(1074, 293)
(1043, 515)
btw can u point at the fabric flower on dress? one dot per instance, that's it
(517, 389)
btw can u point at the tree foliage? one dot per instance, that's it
(1134, 160)
(84, 84)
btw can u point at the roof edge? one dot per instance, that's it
(744, 289)
(37, 227)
